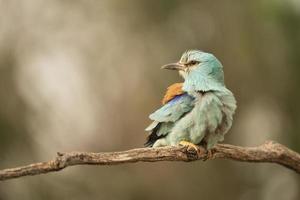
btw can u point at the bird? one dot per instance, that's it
(196, 112)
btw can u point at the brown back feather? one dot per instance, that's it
(172, 91)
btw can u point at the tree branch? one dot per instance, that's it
(269, 152)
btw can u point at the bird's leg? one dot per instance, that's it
(190, 146)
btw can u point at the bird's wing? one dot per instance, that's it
(172, 110)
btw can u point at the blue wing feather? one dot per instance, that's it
(174, 109)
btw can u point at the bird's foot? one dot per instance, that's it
(191, 147)
(205, 154)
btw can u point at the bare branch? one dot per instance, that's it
(269, 152)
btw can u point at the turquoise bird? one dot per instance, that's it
(198, 111)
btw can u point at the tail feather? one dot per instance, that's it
(153, 137)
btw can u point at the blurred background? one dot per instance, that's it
(83, 75)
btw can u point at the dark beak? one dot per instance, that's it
(174, 66)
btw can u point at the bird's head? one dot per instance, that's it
(201, 71)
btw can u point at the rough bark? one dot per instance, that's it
(269, 152)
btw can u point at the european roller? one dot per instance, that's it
(198, 111)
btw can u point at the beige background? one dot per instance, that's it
(84, 75)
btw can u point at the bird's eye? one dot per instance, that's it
(192, 63)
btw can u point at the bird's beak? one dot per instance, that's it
(174, 66)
